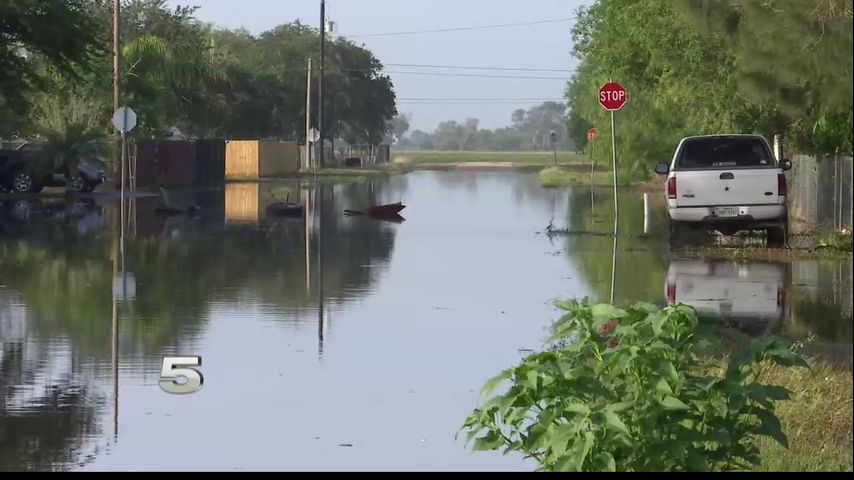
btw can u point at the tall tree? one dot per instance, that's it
(61, 34)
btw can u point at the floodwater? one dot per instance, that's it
(370, 362)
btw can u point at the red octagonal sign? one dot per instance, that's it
(612, 96)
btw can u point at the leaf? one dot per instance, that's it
(579, 408)
(560, 438)
(535, 437)
(771, 426)
(673, 403)
(696, 462)
(663, 387)
(613, 420)
(667, 370)
(606, 312)
(491, 441)
(621, 406)
(494, 382)
(604, 462)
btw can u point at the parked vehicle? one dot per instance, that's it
(17, 173)
(728, 183)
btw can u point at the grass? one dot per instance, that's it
(556, 177)
(817, 419)
(737, 253)
(515, 158)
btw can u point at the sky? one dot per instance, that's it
(533, 46)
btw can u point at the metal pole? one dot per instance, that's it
(322, 74)
(614, 273)
(124, 159)
(122, 196)
(592, 162)
(308, 163)
(646, 213)
(117, 61)
(614, 151)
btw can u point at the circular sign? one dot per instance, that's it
(124, 119)
(592, 134)
(612, 96)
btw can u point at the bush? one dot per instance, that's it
(641, 389)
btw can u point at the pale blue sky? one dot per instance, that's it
(545, 45)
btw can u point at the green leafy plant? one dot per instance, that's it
(70, 128)
(637, 389)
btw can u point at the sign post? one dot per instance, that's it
(124, 119)
(592, 135)
(613, 97)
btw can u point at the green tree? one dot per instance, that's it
(61, 34)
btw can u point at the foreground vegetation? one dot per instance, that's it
(817, 419)
(644, 389)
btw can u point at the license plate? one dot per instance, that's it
(726, 211)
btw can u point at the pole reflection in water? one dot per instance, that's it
(307, 223)
(320, 325)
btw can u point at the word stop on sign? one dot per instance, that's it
(611, 96)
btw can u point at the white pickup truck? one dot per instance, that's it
(728, 183)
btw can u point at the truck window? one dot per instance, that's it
(724, 152)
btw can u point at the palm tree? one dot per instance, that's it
(71, 128)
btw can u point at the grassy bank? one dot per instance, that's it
(572, 175)
(760, 253)
(515, 158)
(817, 419)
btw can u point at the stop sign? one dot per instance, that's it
(612, 96)
(592, 134)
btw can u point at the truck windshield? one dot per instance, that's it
(724, 152)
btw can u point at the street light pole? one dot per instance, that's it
(320, 90)
(117, 62)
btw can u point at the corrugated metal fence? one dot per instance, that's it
(822, 190)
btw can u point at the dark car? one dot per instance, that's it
(17, 172)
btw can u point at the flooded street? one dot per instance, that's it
(371, 362)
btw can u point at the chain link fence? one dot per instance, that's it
(820, 190)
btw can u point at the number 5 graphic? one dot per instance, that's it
(170, 373)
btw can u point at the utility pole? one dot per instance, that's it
(117, 63)
(308, 165)
(320, 91)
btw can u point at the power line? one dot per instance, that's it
(460, 67)
(511, 102)
(462, 29)
(474, 75)
(477, 100)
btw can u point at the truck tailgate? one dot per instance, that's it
(737, 187)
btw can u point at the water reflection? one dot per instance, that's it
(748, 296)
(804, 300)
(416, 316)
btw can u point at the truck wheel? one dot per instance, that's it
(22, 182)
(77, 184)
(776, 237)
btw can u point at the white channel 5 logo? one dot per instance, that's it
(175, 368)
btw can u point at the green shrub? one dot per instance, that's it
(641, 389)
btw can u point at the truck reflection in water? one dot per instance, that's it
(750, 297)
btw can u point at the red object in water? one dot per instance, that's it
(385, 210)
